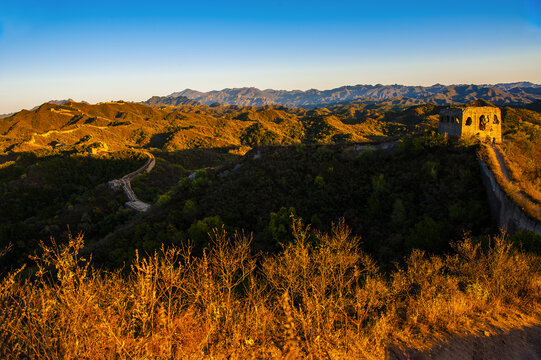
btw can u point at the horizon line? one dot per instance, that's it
(265, 89)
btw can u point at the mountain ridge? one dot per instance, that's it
(172, 101)
(500, 94)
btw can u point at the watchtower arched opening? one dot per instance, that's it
(468, 121)
(482, 122)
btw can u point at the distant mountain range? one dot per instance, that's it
(501, 94)
(171, 100)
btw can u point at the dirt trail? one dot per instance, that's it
(124, 183)
(501, 162)
(505, 172)
(520, 344)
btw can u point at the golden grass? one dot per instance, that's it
(6, 164)
(328, 300)
(518, 175)
(511, 188)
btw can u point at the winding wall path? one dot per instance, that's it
(124, 183)
(507, 177)
(506, 212)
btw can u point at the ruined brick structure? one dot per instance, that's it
(482, 121)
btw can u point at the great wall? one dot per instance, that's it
(124, 184)
(484, 123)
(505, 212)
(508, 214)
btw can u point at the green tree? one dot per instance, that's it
(317, 129)
(199, 231)
(427, 234)
(280, 224)
(256, 135)
(319, 181)
(398, 216)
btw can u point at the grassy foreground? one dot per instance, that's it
(318, 298)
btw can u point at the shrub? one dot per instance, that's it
(427, 234)
(319, 181)
(313, 299)
(200, 229)
(317, 129)
(257, 135)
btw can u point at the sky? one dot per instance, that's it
(131, 50)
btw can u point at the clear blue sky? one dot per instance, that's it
(131, 50)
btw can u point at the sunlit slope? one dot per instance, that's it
(120, 125)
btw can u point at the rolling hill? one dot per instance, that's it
(124, 125)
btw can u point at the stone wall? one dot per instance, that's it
(482, 121)
(508, 215)
(450, 121)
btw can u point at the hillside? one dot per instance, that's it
(184, 139)
(123, 125)
(351, 229)
(501, 94)
(395, 200)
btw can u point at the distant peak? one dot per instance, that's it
(59, 102)
(509, 93)
(480, 102)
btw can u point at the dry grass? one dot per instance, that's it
(320, 301)
(522, 153)
(515, 187)
(521, 172)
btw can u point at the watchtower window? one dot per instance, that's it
(468, 121)
(482, 122)
(496, 120)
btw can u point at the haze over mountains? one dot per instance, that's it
(173, 101)
(517, 93)
(501, 94)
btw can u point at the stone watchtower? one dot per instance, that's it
(482, 121)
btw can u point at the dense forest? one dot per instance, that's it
(422, 194)
(43, 192)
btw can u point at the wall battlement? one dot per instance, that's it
(481, 121)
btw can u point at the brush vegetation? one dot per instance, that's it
(317, 298)
(522, 150)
